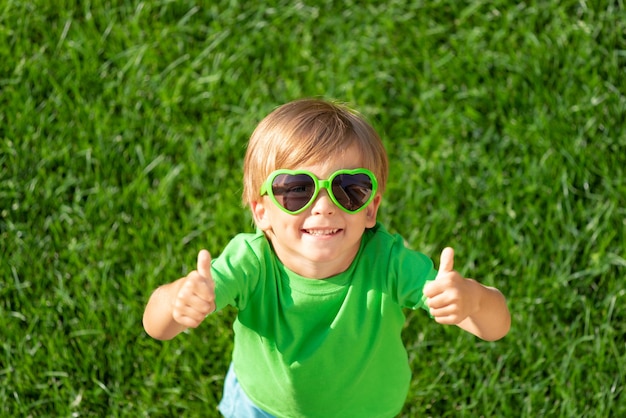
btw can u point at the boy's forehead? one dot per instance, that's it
(329, 161)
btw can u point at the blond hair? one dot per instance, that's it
(309, 131)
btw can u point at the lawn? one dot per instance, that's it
(122, 132)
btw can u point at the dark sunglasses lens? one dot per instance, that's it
(352, 191)
(293, 192)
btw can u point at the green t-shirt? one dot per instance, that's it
(322, 348)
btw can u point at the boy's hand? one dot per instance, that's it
(451, 298)
(196, 296)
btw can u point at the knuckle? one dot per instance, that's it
(178, 317)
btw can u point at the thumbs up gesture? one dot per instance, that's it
(450, 297)
(195, 298)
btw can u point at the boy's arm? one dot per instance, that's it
(182, 304)
(476, 308)
(492, 320)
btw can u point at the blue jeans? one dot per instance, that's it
(235, 403)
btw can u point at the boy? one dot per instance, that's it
(321, 287)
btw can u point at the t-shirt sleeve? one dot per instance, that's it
(403, 271)
(237, 271)
(414, 271)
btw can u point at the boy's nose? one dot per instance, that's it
(323, 204)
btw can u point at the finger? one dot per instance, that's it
(447, 319)
(204, 264)
(432, 289)
(448, 316)
(197, 292)
(200, 302)
(191, 309)
(437, 301)
(207, 292)
(188, 319)
(446, 262)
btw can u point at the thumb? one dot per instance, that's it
(446, 262)
(204, 264)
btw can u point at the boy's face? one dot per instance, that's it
(323, 240)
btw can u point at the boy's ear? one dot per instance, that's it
(371, 211)
(260, 215)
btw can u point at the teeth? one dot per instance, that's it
(320, 232)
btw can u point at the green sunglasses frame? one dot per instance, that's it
(266, 188)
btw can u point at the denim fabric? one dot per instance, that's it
(235, 403)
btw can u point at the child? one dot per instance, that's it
(320, 288)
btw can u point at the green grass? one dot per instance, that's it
(122, 131)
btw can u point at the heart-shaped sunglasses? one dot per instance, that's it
(295, 190)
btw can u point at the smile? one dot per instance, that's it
(321, 232)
